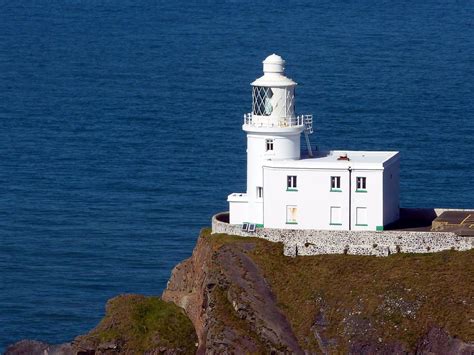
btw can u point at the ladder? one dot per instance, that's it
(308, 129)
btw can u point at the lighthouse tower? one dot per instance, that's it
(273, 133)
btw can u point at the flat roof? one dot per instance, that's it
(339, 159)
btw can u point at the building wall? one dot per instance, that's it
(370, 199)
(238, 212)
(318, 206)
(391, 193)
(312, 198)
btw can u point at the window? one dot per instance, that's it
(361, 216)
(335, 183)
(291, 214)
(336, 216)
(269, 145)
(262, 101)
(259, 192)
(361, 184)
(291, 183)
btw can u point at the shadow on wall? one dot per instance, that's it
(414, 219)
(223, 217)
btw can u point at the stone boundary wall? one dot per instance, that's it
(383, 243)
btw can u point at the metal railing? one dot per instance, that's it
(306, 120)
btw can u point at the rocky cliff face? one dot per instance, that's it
(243, 296)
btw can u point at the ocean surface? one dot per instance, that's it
(120, 128)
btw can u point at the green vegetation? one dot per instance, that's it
(396, 298)
(138, 323)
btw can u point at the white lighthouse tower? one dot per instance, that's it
(273, 133)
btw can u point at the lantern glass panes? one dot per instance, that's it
(262, 101)
(290, 102)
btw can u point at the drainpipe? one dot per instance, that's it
(350, 196)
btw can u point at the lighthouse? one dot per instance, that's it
(327, 190)
(273, 133)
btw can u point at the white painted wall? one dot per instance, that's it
(285, 146)
(372, 199)
(238, 208)
(314, 198)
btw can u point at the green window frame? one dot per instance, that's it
(361, 184)
(291, 183)
(335, 184)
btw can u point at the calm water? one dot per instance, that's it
(120, 129)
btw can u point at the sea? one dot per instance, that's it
(120, 128)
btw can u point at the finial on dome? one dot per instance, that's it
(273, 64)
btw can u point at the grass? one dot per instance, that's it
(143, 324)
(396, 298)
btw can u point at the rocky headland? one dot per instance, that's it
(242, 295)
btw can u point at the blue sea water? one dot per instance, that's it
(120, 128)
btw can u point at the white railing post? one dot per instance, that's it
(247, 118)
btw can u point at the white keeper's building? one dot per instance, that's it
(336, 190)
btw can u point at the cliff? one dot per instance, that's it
(242, 295)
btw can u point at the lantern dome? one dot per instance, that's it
(273, 64)
(273, 73)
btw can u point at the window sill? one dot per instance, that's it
(335, 190)
(335, 224)
(363, 191)
(291, 222)
(362, 225)
(289, 189)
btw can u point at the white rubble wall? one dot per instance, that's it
(382, 243)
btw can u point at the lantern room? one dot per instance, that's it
(273, 96)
